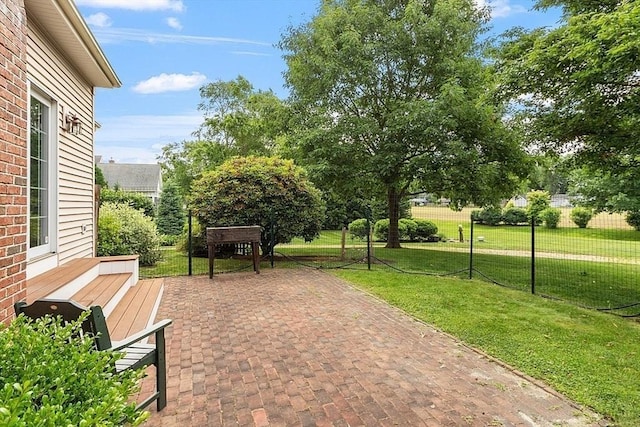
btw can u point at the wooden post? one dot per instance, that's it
(343, 252)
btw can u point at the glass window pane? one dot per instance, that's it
(38, 170)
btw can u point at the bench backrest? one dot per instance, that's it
(70, 311)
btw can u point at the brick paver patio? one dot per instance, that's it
(303, 348)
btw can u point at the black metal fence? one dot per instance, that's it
(595, 267)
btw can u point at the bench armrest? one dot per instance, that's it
(157, 327)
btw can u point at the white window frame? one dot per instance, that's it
(50, 244)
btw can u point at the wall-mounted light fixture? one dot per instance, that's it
(73, 124)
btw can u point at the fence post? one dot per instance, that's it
(368, 243)
(272, 238)
(471, 248)
(189, 245)
(533, 255)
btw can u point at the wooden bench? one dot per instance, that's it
(242, 234)
(137, 354)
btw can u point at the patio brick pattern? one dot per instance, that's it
(303, 348)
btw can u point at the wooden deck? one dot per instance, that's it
(49, 282)
(101, 290)
(133, 312)
(133, 306)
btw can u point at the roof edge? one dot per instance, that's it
(80, 26)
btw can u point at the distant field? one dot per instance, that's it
(435, 213)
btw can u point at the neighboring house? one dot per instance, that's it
(138, 178)
(50, 65)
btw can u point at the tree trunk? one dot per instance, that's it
(393, 199)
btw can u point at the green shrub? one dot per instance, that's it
(123, 230)
(424, 229)
(581, 216)
(537, 201)
(262, 191)
(551, 217)
(50, 376)
(407, 228)
(381, 229)
(633, 219)
(488, 216)
(358, 229)
(168, 240)
(137, 201)
(515, 216)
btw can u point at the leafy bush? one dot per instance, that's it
(123, 230)
(488, 216)
(424, 229)
(168, 240)
(137, 201)
(537, 201)
(358, 229)
(551, 217)
(633, 219)
(381, 229)
(514, 216)
(581, 216)
(51, 376)
(259, 191)
(407, 228)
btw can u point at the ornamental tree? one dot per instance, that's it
(392, 96)
(262, 191)
(171, 215)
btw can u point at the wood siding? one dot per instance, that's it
(51, 73)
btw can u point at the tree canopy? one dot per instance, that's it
(266, 191)
(391, 93)
(237, 121)
(577, 88)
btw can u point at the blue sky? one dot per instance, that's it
(165, 50)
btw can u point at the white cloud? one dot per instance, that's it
(170, 83)
(501, 8)
(119, 35)
(99, 19)
(174, 23)
(175, 5)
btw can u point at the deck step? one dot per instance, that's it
(48, 283)
(136, 310)
(105, 290)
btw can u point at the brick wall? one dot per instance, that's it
(13, 155)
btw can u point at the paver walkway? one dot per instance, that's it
(303, 348)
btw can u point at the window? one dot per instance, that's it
(41, 177)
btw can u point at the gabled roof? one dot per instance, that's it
(63, 23)
(132, 177)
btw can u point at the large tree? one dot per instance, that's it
(392, 93)
(577, 88)
(238, 120)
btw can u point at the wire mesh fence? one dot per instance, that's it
(595, 267)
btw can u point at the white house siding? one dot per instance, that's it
(50, 72)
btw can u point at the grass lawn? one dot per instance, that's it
(591, 357)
